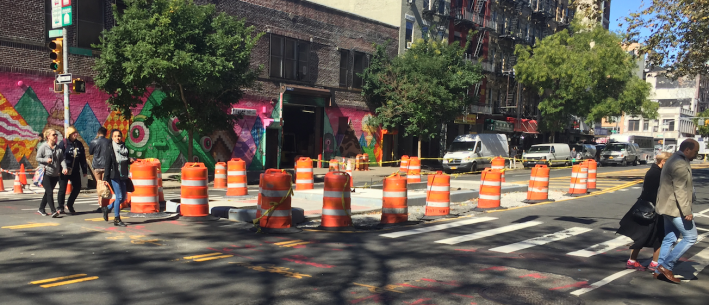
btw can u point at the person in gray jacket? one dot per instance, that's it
(51, 158)
(674, 204)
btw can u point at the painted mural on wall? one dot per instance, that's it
(28, 105)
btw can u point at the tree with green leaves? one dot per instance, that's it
(678, 38)
(198, 57)
(704, 129)
(586, 74)
(422, 89)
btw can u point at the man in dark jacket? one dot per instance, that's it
(98, 148)
(75, 159)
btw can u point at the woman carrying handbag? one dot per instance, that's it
(116, 175)
(51, 158)
(641, 223)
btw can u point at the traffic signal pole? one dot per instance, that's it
(65, 62)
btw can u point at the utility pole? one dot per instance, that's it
(65, 53)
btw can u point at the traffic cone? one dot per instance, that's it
(23, 176)
(18, 185)
(68, 188)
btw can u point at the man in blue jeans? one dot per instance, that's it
(674, 203)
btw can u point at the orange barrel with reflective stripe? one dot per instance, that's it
(366, 161)
(144, 199)
(591, 181)
(275, 191)
(395, 200)
(579, 175)
(236, 178)
(490, 189)
(438, 195)
(304, 174)
(499, 163)
(414, 174)
(349, 172)
(158, 165)
(404, 164)
(334, 166)
(336, 211)
(194, 199)
(538, 190)
(359, 165)
(220, 178)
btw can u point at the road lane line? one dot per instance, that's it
(602, 282)
(602, 247)
(57, 279)
(488, 233)
(541, 240)
(288, 242)
(212, 258)
(296, 244)
(202, 255)
(86, 279)
(31, 225)
(438, 227)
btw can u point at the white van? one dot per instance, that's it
(471, 153)
(549, 154)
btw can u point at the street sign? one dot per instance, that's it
(66, 16)
(64, 78)
(61, 13)
(66, 3)
(55, 33)
(660, 135)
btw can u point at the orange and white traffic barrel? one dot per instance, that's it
(275, 202)
(365, 159)
(194, 198)
(414, 174)
(438, 196)
(538, 190)
(158, 165)
(359, 165)
(336, 211)
(591, 181)
(236, 178)
(395, 200)
(144, 199)
(334, 165)
(490, 189)
(348, 170)
(499, 163)
(404, 165)
(220, 177)
(579, 177)
(304, 174)
(17, 186)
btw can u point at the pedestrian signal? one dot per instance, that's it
(79, 86)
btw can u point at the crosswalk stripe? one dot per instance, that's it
(541, 240)
(602, 282)
(602, 247)
(488, 233)
(438, 227)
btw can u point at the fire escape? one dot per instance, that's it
(512, 34)
(438, 14)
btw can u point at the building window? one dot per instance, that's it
(646, 126)
(424, 32)
(633, 125)
(409, 31)
(289, 58)
(668, 125)
(360, 64)
(344, 67)
(89, 22)
(654, 128)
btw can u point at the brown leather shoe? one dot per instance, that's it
(667, 273)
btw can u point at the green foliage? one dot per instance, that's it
(587, 74)
(420, 89)
(199, 58)
(678, 39)
(702, 130)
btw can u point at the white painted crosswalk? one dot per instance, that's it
(438, 227)
(541, 240)
(602, 247)
(488, 233)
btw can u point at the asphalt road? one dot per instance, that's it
(557, 253)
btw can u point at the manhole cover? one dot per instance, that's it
(529, 296)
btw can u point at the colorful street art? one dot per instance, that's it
(28, 105)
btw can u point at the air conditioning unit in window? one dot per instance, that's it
(408, 44)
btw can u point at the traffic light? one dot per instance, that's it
(79, 86)
(57, 56)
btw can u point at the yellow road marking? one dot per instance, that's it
(86, 279)
(376, 289)
(203, 255)
(287, 242)
(31, 225)
(296, 244)
(211, 258)
(101, 219)
(57, 279)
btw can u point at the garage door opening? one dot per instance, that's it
(302, 133)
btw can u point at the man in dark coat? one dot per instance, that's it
(98, 148)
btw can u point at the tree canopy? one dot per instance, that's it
(678, 38)
(421, 89)
(585, 74)
(198, 57)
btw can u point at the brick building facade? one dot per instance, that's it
(307, 101)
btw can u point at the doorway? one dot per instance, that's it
(302, 133)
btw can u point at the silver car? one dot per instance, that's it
(622, 153)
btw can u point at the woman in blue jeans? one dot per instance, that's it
(116, 175)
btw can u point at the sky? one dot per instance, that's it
(621, 9)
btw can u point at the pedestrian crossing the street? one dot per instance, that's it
(519, 229)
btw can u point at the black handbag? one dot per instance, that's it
(129, 186)
(644, 211)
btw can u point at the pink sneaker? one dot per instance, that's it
(634, 265)
(653, 266)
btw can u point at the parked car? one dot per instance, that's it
(584, 152)
(549, 154)
(620, 153)
(471, 153)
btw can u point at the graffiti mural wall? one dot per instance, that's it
(28, 105)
